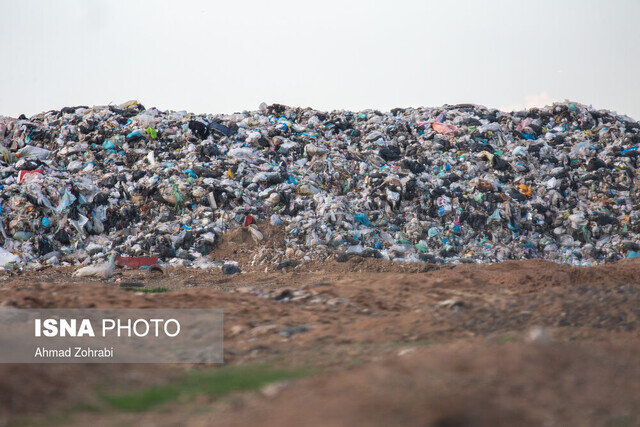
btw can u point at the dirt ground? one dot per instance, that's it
(516, 343)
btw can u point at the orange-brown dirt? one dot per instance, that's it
(391, 344)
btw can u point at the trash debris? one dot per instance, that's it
(155, 268)
(458, 183)
(136, 262)
(406, 351)
(538, 335)
(103, 270)
(287, 263)
(450, 303)
(273, 389)
(230, 269)
(7, 257)
(292, 330)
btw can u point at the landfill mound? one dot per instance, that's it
(458, 183)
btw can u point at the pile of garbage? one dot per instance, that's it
(458, 183)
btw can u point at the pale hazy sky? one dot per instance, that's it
(219, 57)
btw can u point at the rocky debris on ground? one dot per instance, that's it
(458, 183)
(310, 294)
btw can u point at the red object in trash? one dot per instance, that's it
(22, 174)
(136, 261)
(249, 220)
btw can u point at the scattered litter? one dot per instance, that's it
(103, 270)
(450, 303)
(538, 335)
(230, 269)
(292, 330)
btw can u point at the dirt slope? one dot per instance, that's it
(391, 344)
